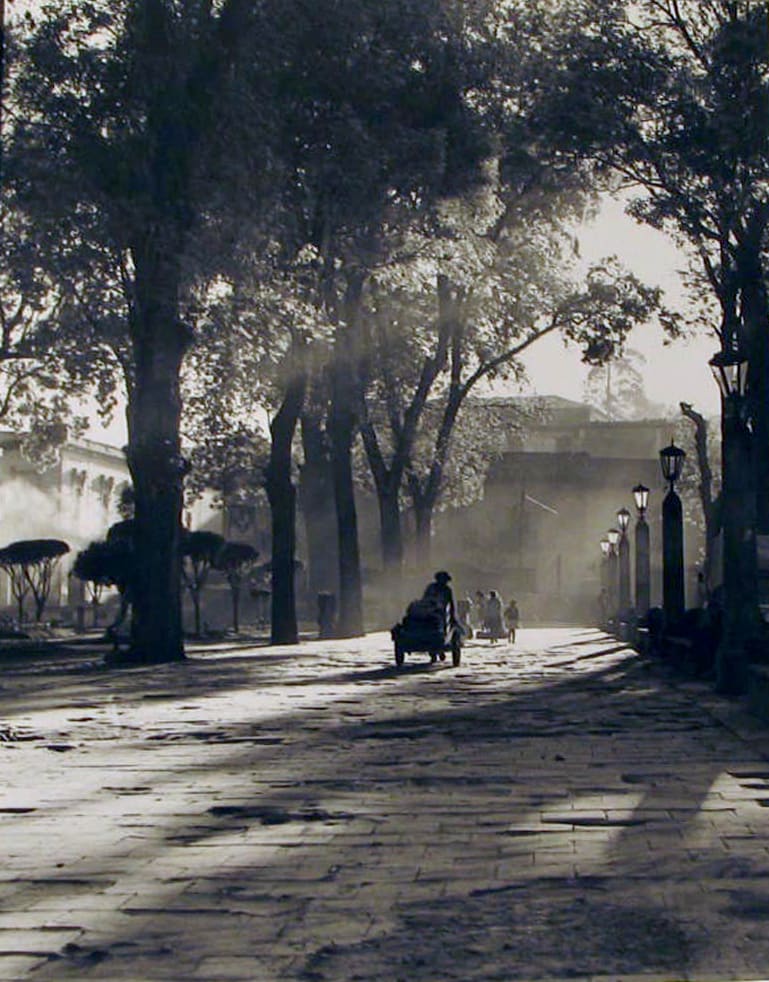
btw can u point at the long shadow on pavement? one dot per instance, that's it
(458, 800)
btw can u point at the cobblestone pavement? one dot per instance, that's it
(558, 809)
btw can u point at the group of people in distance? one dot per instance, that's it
(490, 617)
(485, 615)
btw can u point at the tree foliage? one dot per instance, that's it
(42, 370)
(105, 563)
(136, 125)
(670, 98)
(616, 388)
(469, 285)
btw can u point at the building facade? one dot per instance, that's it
(548, 502)
(75, 499)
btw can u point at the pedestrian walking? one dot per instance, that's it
(495, 623)
(464, 609)
(512, 618)
(479, 611)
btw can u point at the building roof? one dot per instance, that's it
(81, 447)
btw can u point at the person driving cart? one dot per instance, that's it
(430, 624)
(440, 592)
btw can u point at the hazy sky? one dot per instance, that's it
(674, 372)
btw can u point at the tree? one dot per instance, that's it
(109, 563)
(30, 564)
(465, 288)
(378, 118)
(92, 567)
(226, 380)
(707, 500)
(40, 370)
(19, 583)
(199, 553)
(616, 388)
(121, 566)
(236, 560)
(267, 352)
(496, 271)
(670, 99)
(130, 128)
(596, 317)
(316, 492)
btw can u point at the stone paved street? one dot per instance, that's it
(560, 809)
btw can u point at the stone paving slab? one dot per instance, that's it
(559, 809)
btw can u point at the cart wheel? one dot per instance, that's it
(456, 652)
(399, 653)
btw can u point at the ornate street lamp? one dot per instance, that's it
(623, 551)
(641, 498)
(672, 462)
(642, 552)
(673, 593)
(730, 370)
(738, 521)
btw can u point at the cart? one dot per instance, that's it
(412, 634)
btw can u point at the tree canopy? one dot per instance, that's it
(670, 98)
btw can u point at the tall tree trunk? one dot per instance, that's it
(403, 428)
(756, 319)
(343, 425)
(425, 494)
(423, 514)
(350, 622)
(316, 496)
(282, 497)
(705, 486)
(387, 481)
(154, 456)
(390, 529)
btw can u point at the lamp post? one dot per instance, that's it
(642, 552)
(613, 537)
(730, 369)
(623, 551)
(673, 593)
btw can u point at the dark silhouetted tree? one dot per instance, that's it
(32, 562)
(236, 560)
(132, 122)
(93, 565)
(669, 99)
(199, 551)
(120, 561)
